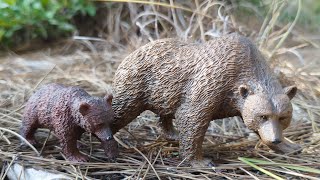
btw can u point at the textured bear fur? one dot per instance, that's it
(69, 112)
(195, 83)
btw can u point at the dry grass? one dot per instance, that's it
(91, 62)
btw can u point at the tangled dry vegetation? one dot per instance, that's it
(91, 62)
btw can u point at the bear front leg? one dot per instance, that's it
(168, 130)
(125, 111)
(68, 141)
(192, 125)
(28, 128)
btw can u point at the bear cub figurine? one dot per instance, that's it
(69, 112)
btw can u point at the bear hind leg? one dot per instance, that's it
(168, 130)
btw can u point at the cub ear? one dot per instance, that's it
(244, 91)
(291, 91)
(108, 98)
(84, 108)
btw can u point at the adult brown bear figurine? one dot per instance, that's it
(199, 82)
(69, 112)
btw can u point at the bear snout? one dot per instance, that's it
(271, 132)
(104, 134)
(276, 141)
(109, 138)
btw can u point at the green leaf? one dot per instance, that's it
(44, 2)
(290, 166)
(91, 10)
(66, 26)
(10, 2)
(2, 31)
(49, 14)
(22, 20)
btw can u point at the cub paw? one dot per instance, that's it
(78, 158)
(33, 142)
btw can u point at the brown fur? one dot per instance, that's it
(199, 82)
(69, 112)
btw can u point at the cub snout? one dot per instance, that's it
(104, 134)
(110, 148)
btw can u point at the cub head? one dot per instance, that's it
(267, 115)
(97, 117)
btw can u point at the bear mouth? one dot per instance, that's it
(104, 134)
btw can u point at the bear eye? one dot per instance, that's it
(282, 118)
(101, 124)
(264, 118)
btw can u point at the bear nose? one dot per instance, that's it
(109, 138)
(276, 141)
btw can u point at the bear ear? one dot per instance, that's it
(108, 98)
(84, 108)
(244, 91)
(290, 91)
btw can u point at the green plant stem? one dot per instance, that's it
(260, 169)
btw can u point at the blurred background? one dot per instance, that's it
(23, 22)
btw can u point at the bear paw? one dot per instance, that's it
(206, 162)
(171, 136)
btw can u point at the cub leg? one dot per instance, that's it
(168, 130)
(192, 125)
(68, 140)
(28, 128)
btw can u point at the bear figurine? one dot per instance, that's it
(69, 112)
(195, 83)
